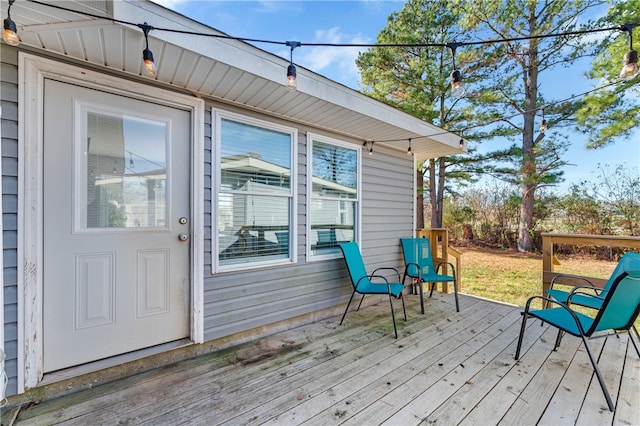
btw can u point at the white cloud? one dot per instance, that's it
(170, 4)
(337, 63)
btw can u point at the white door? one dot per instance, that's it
(116, 224)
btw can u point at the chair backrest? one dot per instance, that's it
(629, 262)
(621, 304)
(353, 259)
(418, 251)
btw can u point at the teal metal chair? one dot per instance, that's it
(591, 296)
(418, 265)
(619, 310)
(363, 284)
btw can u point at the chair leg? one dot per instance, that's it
(404, 278)
(348, 304)
(403, 308)
(633, 328)
(558, 340)
(522, 328)
(599, 375)
(360, 304)
(393, 317)
(455, 292)
(420, 285)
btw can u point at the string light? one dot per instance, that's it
(368, 144)
(490, 122)
(291, 69)
(147, 56)
(543, 124)
(630, 61)
(456, 78)
(10, 32)
(629, 70)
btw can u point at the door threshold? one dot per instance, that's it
(103, 364)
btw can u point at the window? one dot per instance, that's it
(334, 195)
(254, 191)
(123, 172)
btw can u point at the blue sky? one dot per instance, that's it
(341, 21)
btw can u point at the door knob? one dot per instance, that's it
(183, 237)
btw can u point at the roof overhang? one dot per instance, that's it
(227, 70)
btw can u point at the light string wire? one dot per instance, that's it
(452, 45)
(497, 120)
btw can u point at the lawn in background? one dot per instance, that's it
(512, 277)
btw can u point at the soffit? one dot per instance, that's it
(228, 70)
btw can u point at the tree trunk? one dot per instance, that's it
(529, 160)
(525, 240)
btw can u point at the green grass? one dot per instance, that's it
(511, 277)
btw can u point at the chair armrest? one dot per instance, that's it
(577, 277)
(453, 268)
(549, 300)
(387, 269)
(578, 291)
(406, 268)
(370, 277)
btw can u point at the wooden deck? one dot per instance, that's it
(445, 368)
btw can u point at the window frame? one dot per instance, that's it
(216, 177)
(315, 137)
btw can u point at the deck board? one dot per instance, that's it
(445, 368)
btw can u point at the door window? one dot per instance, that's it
(123, 171)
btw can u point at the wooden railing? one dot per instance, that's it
(549, 240)
(439, 242)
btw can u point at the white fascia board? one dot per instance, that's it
(251, 59)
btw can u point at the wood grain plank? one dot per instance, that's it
(431, 368)
(446, 368)
(243, 402)
(456, 407)
(458, 369)
(611, 360)
(567, 401)
(627, 407)
(499, 399)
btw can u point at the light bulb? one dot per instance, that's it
(291, 77)
(630, 67)
(149, 66)
(10, 33)
(543, 126)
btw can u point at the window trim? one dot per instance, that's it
(216, 137)
(311, 137)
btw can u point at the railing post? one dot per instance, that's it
(547, 263)
(548, 258)
(439, 242)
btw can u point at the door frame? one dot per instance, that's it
(32, 72)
